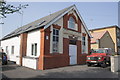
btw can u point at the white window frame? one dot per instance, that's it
(34, 49)
(71, 21)
(55, 41)
(83, 44)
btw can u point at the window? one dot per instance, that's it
(34, 49)
(83, 44)
(83, 39)
(71, 23)
(12, 49)
(7, 49)
(55, 40)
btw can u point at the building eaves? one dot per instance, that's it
(104, 28)
(36, 24)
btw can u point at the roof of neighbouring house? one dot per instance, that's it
(44, 22)
(97, 35)
(113, 26)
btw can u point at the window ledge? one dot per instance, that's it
(30, 57)
(72, 29)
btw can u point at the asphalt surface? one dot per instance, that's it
(77, 71)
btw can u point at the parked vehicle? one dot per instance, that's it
(0, 49)
(99, 57)
(3, 58)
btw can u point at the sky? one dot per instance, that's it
(94, 14)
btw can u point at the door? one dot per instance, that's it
(73, 54)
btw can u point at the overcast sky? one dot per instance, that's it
(94, 14)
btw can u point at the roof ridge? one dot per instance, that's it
(36, 22)
(104, 27)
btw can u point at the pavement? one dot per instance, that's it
(77, 71)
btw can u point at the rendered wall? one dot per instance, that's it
(33, 37)
(112, 32)
(14, 41)
(107, 42)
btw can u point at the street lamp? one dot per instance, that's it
(1, 26)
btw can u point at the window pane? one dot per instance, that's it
(53, 38)
(57, 39)
(71, 23)
(35, 49)
(57, 32)
(84, 43)
(83, 38)
(12, 50)
(32, 48)
(71, 19)
(54, 47)
(53, 31)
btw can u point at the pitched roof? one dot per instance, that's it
(113, 26)
(97, 35)
(44, 22)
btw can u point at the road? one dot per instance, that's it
(77, 71)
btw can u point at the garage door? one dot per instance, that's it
(73, 54)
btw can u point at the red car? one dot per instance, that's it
(99, 57)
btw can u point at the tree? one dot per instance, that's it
(9, 9)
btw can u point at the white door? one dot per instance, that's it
(73, 54)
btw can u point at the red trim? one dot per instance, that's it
(42, 44)
(65, 21)
(23, 46)
(72, 15)
(89, 45)
(56, 26)
(83, 34)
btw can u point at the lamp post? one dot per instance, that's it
(1, 26)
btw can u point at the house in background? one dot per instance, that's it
(114, 32)
(59, 39)
(101, 40)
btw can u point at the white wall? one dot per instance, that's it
(33, 37)
(14, 41)
(31, 63)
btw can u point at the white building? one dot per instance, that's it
(57, 40)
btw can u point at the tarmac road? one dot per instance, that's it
(78, 71)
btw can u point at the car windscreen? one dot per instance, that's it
(98, 51)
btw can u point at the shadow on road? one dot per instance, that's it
(77, 74)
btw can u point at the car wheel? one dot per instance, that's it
(88, 64)
(103, 64)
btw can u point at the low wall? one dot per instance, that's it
(12, 57)
(115, 63)
(18, 60)
(55, 61)
(30, 62)
(119, 63)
